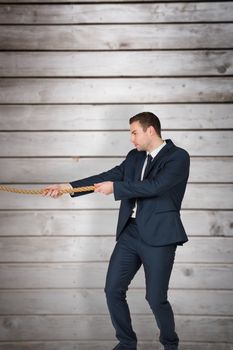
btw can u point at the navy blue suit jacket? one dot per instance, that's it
(158, 196)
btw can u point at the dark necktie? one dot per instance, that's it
(148, 165)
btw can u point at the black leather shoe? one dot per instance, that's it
(120, 347)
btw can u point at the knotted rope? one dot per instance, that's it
(41, 191)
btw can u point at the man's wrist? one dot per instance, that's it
(69, 186)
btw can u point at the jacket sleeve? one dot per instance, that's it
(114, 174)
(175, 171)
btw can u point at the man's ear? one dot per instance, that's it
(151, 130)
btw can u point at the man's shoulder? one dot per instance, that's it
(134, 153)
(181, 152)
(176, 150)
(179, 155)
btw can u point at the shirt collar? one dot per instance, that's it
(156, 150)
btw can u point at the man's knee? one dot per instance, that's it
(114, 293)
(156, 301)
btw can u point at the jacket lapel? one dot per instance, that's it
(142, 157)
(169, 145)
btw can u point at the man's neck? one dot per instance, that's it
(158, 142)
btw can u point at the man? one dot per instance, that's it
(150, 183)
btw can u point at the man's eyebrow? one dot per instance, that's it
(133, 131)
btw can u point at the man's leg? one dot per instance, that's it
(158, 263)
(124, 264)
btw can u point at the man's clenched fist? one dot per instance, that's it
(54, 190)
(104, 187)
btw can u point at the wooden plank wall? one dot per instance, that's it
(71, 76)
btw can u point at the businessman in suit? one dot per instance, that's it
(150, 183)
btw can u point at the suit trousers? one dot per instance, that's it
(129, 254)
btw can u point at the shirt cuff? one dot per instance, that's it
(72, 193)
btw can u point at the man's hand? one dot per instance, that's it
(104, 187)
(53, 190)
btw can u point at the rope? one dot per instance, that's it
(70, 190)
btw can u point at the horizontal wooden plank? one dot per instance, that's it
(79, 249)
(213, 223)
(92, 275)
(113, 117)
(112, 13)
(102, 223)
(80, 1)
(197, 196)
(107, 143)
(190, 328)
(208, 196)
(13, 170)
(209, 169)
(114, 64)
(106, 345)
(115, 90)
(92, 302)
(115, 37)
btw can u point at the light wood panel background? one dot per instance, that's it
(71, 76)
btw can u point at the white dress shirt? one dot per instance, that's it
(153, 154)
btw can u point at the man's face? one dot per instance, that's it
(140, 138)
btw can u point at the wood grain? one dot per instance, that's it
(114, 64)
(107, 143)
(106, 345)
(190, 328)
(74, 117)
(92, 302)
(112, 13)
(116, 90)
(92, 275)
(85, 249)
(103, 223)
(115, 37)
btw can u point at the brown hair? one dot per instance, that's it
(147, 119)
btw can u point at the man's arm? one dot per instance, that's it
(175, 171)
(114, 174)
